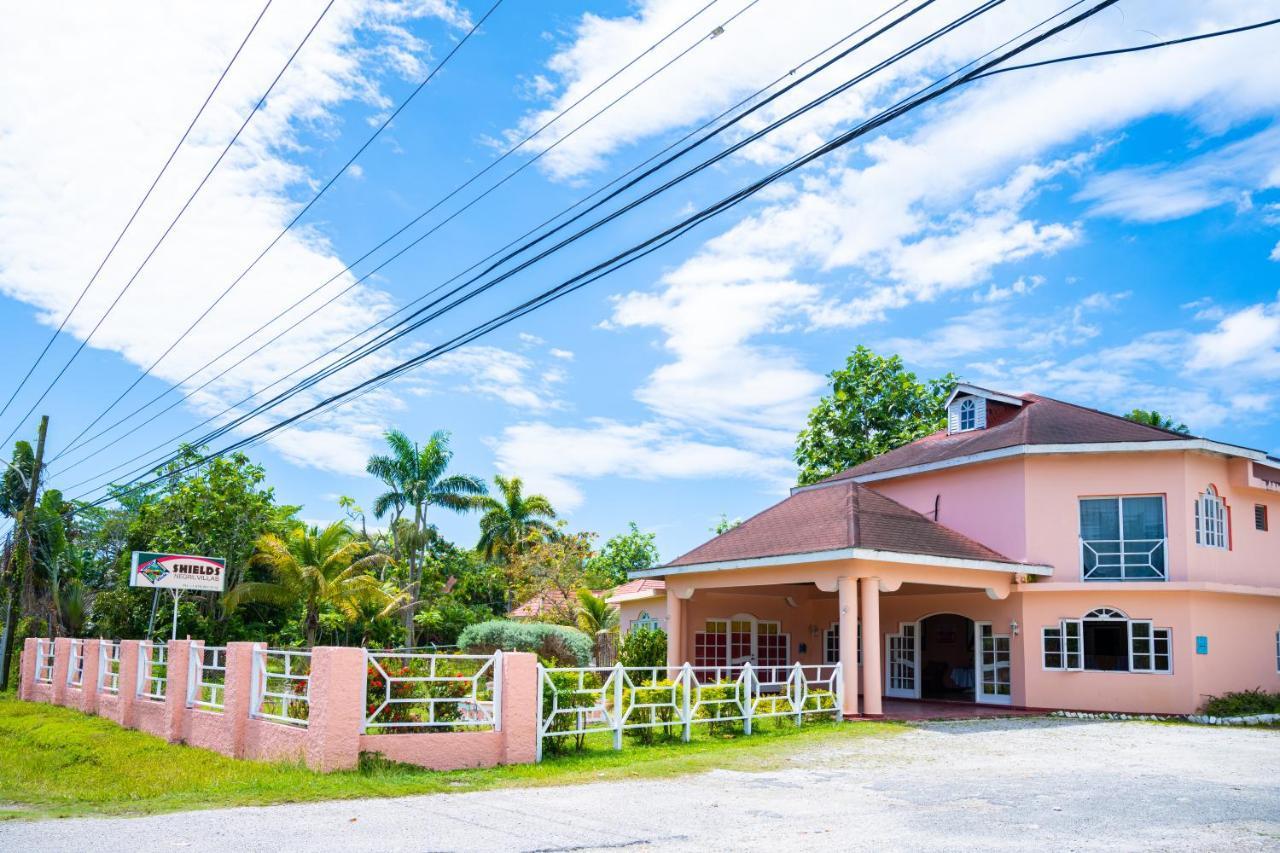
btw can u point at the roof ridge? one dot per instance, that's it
(1114, 416)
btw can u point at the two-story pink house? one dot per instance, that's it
(1034, 553)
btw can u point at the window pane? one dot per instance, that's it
(1099, 518)
(1143, 518)
(1106, 645)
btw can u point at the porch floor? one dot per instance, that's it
(911, 710)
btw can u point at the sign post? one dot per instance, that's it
(177, 572)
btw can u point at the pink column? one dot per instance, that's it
(128, 695)
(519, 707)
(27, 669)
(872, 687)
(675, 631)
(848, 590)
(237, 693)
(61, 658)
(89, 683)
(338, 676)
(175, 691)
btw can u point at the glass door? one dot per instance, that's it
(995, 667)
(901, 654)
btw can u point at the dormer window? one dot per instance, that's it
(967, 413)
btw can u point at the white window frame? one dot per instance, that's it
(643, 620)
(1161, 544)
(833, 631)
(1213, 520)
(972, 408)
(1069, 635)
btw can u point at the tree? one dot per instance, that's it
(595, 614)
(633, 551)
(553, 570)
(416, 479)
(725, 524)
(875, 405)
(317, 569)
(17, 477)
(1155, 419)
(514, 521)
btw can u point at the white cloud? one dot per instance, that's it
(95, 97)
(1248, 339)
(495, 372)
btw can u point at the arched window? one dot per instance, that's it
(644, 620)
(968, 414)
(1211, 519)
(1106, 640)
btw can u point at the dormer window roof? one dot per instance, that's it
(967, 407)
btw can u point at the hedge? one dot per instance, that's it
(554, 644)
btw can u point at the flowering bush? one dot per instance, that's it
(408, 700)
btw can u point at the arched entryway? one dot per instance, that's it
(947, 645)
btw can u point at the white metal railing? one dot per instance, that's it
(410, 692)
(153, 670)
(109, 667)
(579, 701)
(44, 661)
(281, 686)
(1123, 559)
(207, 678)
(75, 665)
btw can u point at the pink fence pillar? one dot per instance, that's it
(337, 707)
(61, 658)
(128, 696)
(89, 680)
(519, 707)
(175, 691)
(238, 691)
(27, 670)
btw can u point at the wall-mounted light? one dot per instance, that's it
(1013, 627)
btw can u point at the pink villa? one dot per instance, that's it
(1034, 554)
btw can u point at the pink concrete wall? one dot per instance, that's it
(629, 611)
(986, 502)
(1241, 631)
(805, 623)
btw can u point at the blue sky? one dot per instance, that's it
(1104, 232)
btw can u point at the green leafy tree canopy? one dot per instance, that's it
(875, 405)
(1155, 419)
(633, 551)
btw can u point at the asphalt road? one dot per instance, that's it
(991, 784)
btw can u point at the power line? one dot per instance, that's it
(136, 210)
(513, 149)
(170, 227)
(1135, 48)
(642, 249)
(337, 174)
(367, 347)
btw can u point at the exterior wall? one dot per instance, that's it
(1241, 633)
(331, 738)
(629, 611)
(985, 502)
(805, 623)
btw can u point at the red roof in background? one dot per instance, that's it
(653, 586)
(1040, 420)
(828, 518)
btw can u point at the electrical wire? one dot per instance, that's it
(156, 180)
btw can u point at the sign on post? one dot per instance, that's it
(176, 572)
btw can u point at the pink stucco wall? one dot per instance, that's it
(630, 611)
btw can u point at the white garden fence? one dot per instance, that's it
(75, 665)
(281, 686)
(44, 661)
(109, 667)
(408, 692)
(153, 670)
(580, 701)
(207, 678)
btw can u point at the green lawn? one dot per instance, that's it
(59, 763)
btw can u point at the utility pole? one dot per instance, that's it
(18, 575)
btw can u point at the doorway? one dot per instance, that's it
(947, 658)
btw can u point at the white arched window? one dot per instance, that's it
(1211, 519)
(968, 414)
(1106, 640)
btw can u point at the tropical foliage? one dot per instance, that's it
(515, 522)
(633, 551)
(1155, 419)
(875, 405)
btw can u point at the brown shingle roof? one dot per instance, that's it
(845, 515)
(1040, 420)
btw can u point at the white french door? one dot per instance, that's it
(901, 662)
(995, 667)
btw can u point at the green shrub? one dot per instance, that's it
(555, 645)
(644, 647)
(717, 703)
(564, 690)
(659, 719)
(1243, 703)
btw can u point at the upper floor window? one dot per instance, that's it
(1123, 538)
(1106, 640)
(1211, 519)
(1260, 516)
(967, 413)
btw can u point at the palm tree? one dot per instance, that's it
(514, 520)
(1155, 419)
(316, 568)
(595, 614)
(416, 477)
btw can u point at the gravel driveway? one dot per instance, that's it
(990, 784)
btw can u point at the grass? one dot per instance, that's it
(55, 762)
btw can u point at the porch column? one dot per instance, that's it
(872, 687)
(848, 590)
(675, 631)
